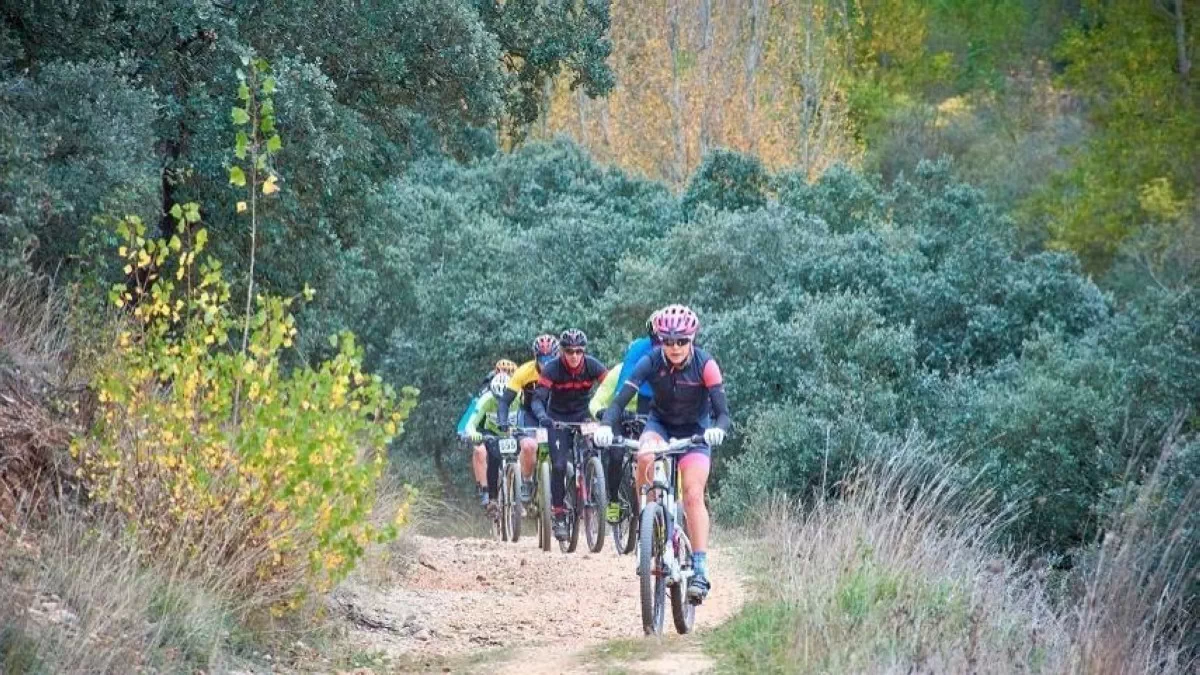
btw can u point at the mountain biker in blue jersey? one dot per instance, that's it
(613, 458)
(634, 353)
(563, 390)
(689, 400)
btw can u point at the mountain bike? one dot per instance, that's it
(510, 490)
(664, 550)
(584, 495)
(625, 529)
(539, 505)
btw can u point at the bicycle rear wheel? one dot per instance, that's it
(651, 580)
(625, 530)
(593, 506)
(683, 612)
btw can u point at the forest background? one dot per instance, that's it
(973, 222)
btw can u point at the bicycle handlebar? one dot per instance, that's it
(676, 446)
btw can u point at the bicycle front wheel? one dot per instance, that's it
(652, 581)
(544, 531)
(574, 504)
(512, 503)
(596, 499)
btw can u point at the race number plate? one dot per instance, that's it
(542, 437)
(508, 446)
(588, 428)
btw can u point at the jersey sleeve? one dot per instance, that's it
(711, 375)
(641, 372)
(604, 393)
(526, 374)
(480, 407)
(466, 416)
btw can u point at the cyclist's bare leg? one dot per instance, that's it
(528, 457)
(647, 444)
(479, 464)
(695, 468)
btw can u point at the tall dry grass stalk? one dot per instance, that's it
(1133, 616)
(904, 572)
(79, 598)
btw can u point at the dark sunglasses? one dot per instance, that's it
(676, 342)
(573, 350)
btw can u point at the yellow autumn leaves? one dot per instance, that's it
(200, 445)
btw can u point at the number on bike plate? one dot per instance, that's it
(541, 435)
(588, 428)
(508, 446)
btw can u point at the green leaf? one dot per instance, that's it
(333, 340)
(237, 176)
(242, 142)
(268, 85)
(268, 107)
(239, 116)
(274, 144)
(261, 163)
(176, 212)
(175, 244)
(268, 124)
(244, 92)
(192, 212)
(201, 238)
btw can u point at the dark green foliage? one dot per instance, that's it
(844, 312)
(727, 181)
(76, 141)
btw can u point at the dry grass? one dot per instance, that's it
(79, 599)
(903, 574)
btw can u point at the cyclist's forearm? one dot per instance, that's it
(540, 397)
(720, 407)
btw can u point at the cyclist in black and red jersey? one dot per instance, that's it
(563, 390)
(689, 400)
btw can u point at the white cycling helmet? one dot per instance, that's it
(499, 384)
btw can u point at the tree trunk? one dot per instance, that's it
(1181, 47)
(707, 91)
(754, 48)
(679, 170)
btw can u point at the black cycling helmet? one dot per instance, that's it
(573, 337)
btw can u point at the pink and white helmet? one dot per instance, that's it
(676, 321)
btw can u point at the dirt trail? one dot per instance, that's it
(537, 612)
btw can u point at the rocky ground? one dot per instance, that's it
(532, 611)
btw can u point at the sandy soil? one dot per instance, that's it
(524, 610)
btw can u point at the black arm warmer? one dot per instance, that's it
(720, 406)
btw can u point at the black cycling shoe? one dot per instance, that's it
(560, 527)
(698, 588)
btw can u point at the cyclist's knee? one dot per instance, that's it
(693, 498)
(480, 451)
(650, 441)
(528, 445)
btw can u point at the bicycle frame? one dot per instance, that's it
(666, 484)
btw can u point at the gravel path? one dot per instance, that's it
(547, 609)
